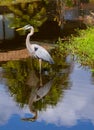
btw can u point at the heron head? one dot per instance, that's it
(27, 27)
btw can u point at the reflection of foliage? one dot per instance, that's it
(54, 95)
(51, 98)
(16, 73)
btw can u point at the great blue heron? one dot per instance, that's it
(35, 50)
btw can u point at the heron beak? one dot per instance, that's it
(19, 29)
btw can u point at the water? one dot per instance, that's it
(73, 110)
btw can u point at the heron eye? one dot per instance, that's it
(36, 48)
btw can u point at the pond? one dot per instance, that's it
(63, 100)
(61, 97)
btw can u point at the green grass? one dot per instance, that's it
(80, 46)
(83, 46)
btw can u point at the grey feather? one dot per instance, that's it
(36, 50)
(41, 53)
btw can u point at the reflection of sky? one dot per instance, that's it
(7, 106)
(77, 104)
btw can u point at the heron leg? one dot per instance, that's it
(40, 61)
(41, 80)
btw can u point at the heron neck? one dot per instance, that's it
(28, 39)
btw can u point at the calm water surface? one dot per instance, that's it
(74, 110)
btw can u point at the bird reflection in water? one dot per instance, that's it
(37, 93)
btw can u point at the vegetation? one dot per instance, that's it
(80, 46)
(69, 3)
(35, 12)
(26, 13)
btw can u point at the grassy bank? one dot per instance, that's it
(81, 46)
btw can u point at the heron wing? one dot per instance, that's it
(42, 53)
